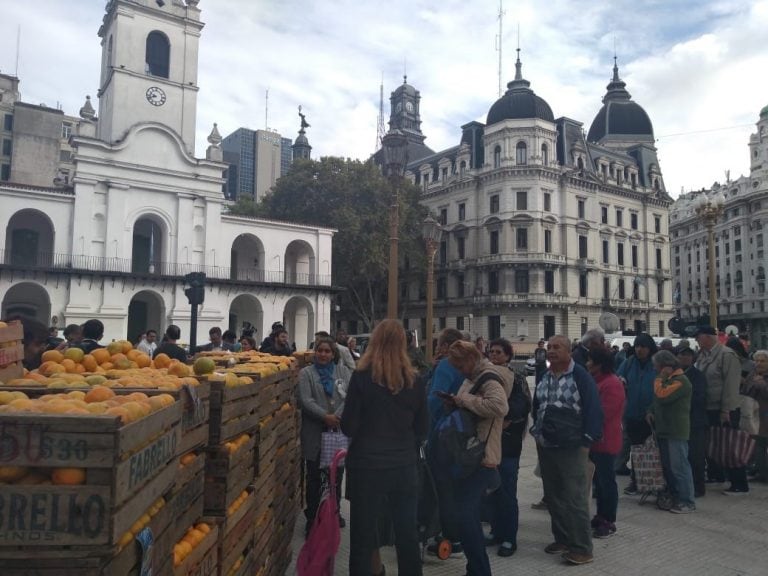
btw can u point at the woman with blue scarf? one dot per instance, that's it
(322, 388)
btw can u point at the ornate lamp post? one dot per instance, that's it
(431, 232)
(395, 147)
(710, 209)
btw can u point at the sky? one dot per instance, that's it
(697, 67)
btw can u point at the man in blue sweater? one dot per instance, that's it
(568, 418)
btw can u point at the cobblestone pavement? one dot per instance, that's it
(726, 536)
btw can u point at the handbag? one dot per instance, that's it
(646, 462)
(730, 447)
(562, 427)
(750, 415)
(331, 441)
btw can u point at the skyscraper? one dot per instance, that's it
(256, 158)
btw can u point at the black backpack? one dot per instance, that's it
(458, 447)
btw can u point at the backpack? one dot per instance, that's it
(458, 447)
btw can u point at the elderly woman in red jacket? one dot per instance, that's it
(603, 453)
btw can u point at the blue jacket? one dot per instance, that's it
(588, 399)
(445, 378)
(638, 378)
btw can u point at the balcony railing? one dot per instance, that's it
(52, 262)
(521, 257)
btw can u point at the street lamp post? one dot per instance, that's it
(430, 231)
(395, 147)
(711, 209)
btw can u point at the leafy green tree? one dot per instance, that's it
(354, 198)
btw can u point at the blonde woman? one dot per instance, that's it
(385, 418)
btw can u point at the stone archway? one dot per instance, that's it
(299, 318)
(247, 260)
(147, 246)
(29, 239)
(29, 300)
(299, 263)
(245, 313)
(146, 311)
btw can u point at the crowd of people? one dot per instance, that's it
(590, 405)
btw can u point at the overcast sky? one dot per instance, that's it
(699, 68)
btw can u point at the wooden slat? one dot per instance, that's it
(202, 561)
(135, 435)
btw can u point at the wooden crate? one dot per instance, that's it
(204, 558)
(227, 475)
(236, 533)
(11, 351)
(127, 469)
(233, 410)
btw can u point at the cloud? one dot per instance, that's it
(694, 66)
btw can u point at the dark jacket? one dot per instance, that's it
(384, 429)
(638, 377)
(172, 351)
(519, 402)
(87, 345)
(209, 347)
(698, 398)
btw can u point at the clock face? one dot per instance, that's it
(155, 96)
(399, 107)
(409, 106)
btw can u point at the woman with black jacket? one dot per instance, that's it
(385, 418)
(506, 511)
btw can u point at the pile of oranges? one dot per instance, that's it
(237, 503)
(42, 476)
(234, 445)
(183, 548)
(140, 524)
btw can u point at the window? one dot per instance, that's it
(494, 242)
(497, 157)
(620, 254)
(606, 287)
(606, 255)
(8, 123)
(622, 294)
(443, 252)
(661, 327)
(633, 220)
(65, 156)
(462, 169)
(522, 200)
(657, 224)
(582, 209)
(548, 241)
(522, 239)
(7, 147)
(636, 289)
(549, 281)
(547, 202)
(441, 323)
(460, 242)
(404, 291)
(583, 285)
(494, 209)
(494, 327)
(462, 212)
(158, 54)
(443, 218)
(544, 155)
(737, 245)
(5, 172)
(604, 214)
(444, 174)
(658, 259)
(634, 256)
(460, 285)
(660, 292)
(619, 217)
(582, 246)
(521, 281)
(521, 154)
(441, 285)
(66, 130)
(493, 282)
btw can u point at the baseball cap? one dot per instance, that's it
(706, 330)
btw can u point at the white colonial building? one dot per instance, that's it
(141, 211)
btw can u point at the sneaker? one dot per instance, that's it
(604, 530)
(491, 540)
(577, 558)
(457, 550)
(736, 491)
(506, 549)
(556, 548)
(682, 509)
(596, 521)
(540, 505)
(631, 490)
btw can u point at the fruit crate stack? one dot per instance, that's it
(83, 488)
(11, 351)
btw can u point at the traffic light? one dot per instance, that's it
(196, 291)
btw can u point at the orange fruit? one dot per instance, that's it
(132, 353)
(68, 476)
(69, 365)
(124, 415)
(178, 369)
(101, 355)
(162, 361)
(99, 394)
(89, 362)
(74, 354)
(188, 458)
(127, 346)
(51, 368)
(107, 366)
(114, 348)
(52, 356)
(142, 360)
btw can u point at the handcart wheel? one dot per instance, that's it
(444, 549)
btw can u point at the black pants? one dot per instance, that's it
(697, 454)
(446, 501)
(369, 492)
(313, 488)
(737, 476)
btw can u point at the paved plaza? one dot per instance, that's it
(726, 536)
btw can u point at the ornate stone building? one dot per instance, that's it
(545, 228)
(740, 248)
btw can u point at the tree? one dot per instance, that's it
(354, 198)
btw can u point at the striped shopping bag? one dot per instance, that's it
(730, 447)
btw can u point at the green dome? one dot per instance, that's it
(764, 112)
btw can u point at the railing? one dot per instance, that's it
(521, 257)
(520, 298)
(49, 261)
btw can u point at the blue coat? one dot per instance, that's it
(638, 378)
(445, 378)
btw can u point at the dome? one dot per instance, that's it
(764, 112)
(519, 101)
(620, 115)
(406, 88)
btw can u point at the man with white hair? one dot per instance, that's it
(593, 338)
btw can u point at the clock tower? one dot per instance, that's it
(149, 67)
(404, 114)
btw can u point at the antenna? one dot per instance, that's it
(266, 111)
(380, 130)
(499, 42)
(18, 45)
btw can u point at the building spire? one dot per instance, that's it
(615, 69)
(519, 82)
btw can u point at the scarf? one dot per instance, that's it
(326, 376)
